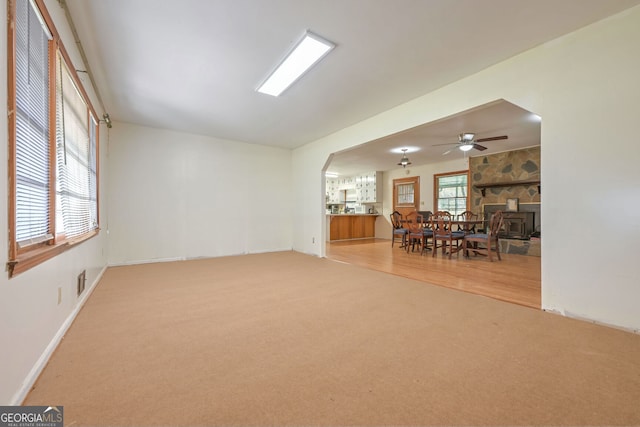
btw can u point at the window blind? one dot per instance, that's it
(75, 159)
(93, 172)
(32, 126)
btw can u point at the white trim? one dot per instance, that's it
(159, 260)
(146, 261)
(564, 313)
(42, 361)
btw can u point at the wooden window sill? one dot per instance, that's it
(30, 259)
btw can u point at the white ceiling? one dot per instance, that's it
(423, 142)
(193, 65)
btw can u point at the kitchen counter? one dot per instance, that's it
(351, 226)
(353, 214)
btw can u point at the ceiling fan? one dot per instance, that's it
(467, 141)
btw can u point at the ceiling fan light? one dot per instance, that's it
(466, 147)
(466, 137)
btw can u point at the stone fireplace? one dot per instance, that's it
(494, 179)
(517, 225)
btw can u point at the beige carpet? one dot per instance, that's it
(291, 339)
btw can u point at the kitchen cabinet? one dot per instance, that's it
(345, 227)
(367, 186)
(334, 194)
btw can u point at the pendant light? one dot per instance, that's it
(404, 161)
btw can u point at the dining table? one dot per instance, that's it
(465, 225)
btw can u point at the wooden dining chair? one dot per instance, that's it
(417, 232)
(489, 240)
(398, 229)
(467, 216)
(427, 233)
(414, 233)
(442, 231)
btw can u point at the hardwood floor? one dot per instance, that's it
(515, 279)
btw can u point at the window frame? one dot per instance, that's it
(436, 188)
(22, 259)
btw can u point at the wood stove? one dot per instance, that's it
(517, 225)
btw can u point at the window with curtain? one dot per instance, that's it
(451, 192)
(53, 143)
(405, 194)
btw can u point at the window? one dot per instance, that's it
(406, 194)
(75, 159)
(32, 152)
(451, 192)
(53, 143)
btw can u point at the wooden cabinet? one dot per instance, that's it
(368, 226)
(345, 227)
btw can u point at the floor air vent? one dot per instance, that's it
(82, 279)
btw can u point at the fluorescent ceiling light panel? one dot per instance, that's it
(306, 53)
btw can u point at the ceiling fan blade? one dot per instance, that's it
(447, 152)
(448, 143)
(479, 147)
(493, 138)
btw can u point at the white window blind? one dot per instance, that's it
(93, 172)
(76, 201)
(53, 156)
(32, 126)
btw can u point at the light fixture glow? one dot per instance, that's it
(466, 147)
(306, 53)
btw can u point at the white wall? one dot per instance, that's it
(31, 320)
(181, 196)
(586, 88)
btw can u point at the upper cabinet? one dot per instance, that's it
(368, 187)
(335, 195)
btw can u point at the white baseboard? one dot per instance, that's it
(33, 375)
(595, 322)
(173, 259)
(145, 261)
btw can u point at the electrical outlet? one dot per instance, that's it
(59, 295)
